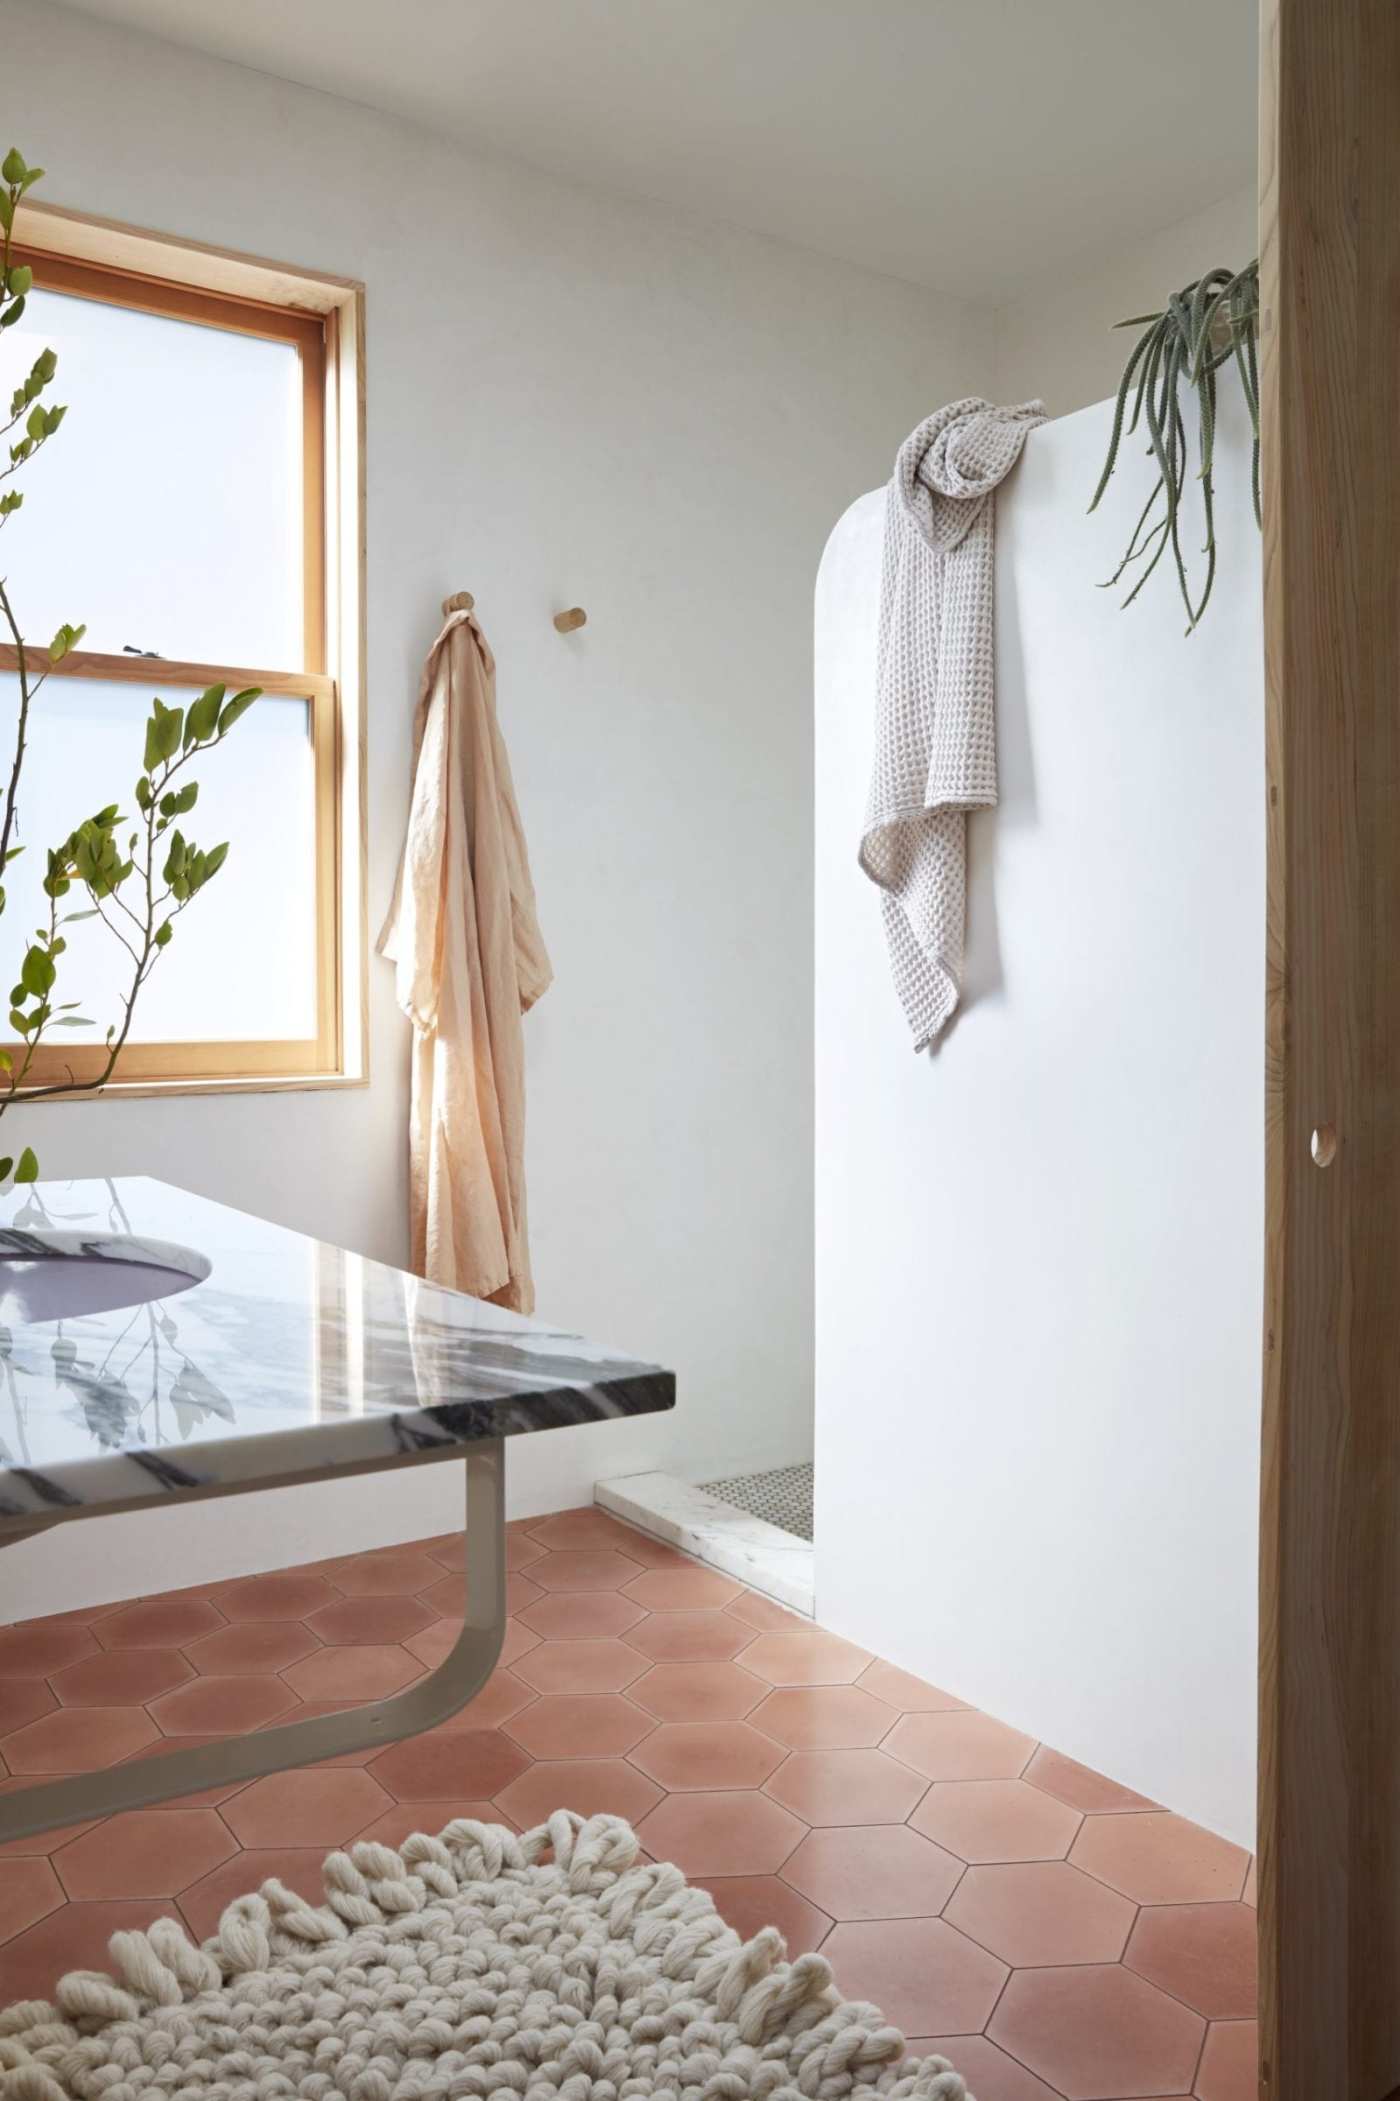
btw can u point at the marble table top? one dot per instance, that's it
(288, 1359)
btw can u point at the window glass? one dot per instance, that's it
(166, 513)
(241, 965)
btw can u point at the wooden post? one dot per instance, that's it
(1329, 1812)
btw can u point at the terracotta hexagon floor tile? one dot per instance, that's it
(690, 1637)
(592, 1786)
(585, 1725)
(990, 2074)
(519, 1640)
(289, 1594)
(684, 1589)
(520, 1592)
(353, 1674)
(597, 1568)
(720, 1834)
(1159, 1858)
(438, 1638)
(29, 1891)
(580, 1666)
(79, 1740)
(582, 1615)
(431, 1818)
(748, 1903)
(221, 1706)
(846, 1787)
(696, 1692)
(1202, 1953)
(688, 1755)
(145, 1853)
(160, 1623)
(901, 1690)
(1251, 1884)
(808, 1658)
(824, 1717)
(398, 1574)
(74, 1937)
(922, 1973)
(1080, 1787)
(121, 1678)
(580, 1531)
(1230, 2062)
(1098, 2031)
(766, 1616)
(521, 1550)
(450, 1551)
(1043, 1911)
(500, 1697)
(305, 1808)
(243, 1875)
(884, 1871)
(982, 1820)
(23, 1700)
(36, 1647)
(959, 1746)
(250, 1649)
(475, 1763)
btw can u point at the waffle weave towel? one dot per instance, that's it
(935, 728)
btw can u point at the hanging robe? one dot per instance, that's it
(470, 960)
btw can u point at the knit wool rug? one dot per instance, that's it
(558, 1965)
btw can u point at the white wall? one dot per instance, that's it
(1039, 1249)
(1057, 338)
(572, 398)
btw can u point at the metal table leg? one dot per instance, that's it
(457, 1679)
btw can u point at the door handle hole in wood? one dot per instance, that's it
(1324, 1144)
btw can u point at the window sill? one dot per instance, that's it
(255, 1083)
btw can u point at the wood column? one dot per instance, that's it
(1329, 1812)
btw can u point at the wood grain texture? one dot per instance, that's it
(1330, 1517)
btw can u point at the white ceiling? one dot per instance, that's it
(968, 145)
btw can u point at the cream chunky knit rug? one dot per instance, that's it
(557, 1964)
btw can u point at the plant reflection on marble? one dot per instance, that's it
(106, 1403)
(289, 1359)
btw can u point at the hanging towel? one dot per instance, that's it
(470, 961)
(935, 726)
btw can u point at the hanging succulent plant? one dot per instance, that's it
(1211, 323)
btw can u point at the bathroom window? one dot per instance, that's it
(201, 514)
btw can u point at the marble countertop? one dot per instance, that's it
(289, 1359)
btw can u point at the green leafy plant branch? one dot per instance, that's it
(138, 890)
(1209, 324)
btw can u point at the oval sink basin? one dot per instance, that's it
(52, 1275)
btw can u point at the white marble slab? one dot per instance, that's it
(285, 1358)
(747, 1548)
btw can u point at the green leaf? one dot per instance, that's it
(163, 935)
(214, 861)
(203, 718)
(8, 1162)
(72, 1021)
(28, 1168)
(12, 167)
(162, 734)
(7, 210)
(37, 972)
(239, 705)
(12, 314)
(21, 278)
(36, 424)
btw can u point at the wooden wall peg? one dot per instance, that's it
(459, 602)
(569, 621)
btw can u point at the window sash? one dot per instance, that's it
(165, 1064)
(321, 1053)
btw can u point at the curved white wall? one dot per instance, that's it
(1039, 1251)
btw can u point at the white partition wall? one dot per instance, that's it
(1039, 1250)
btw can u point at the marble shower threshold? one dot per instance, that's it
(702, 1524)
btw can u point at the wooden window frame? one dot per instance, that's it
(323, 318)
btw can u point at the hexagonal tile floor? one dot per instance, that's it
(1060, 1938)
